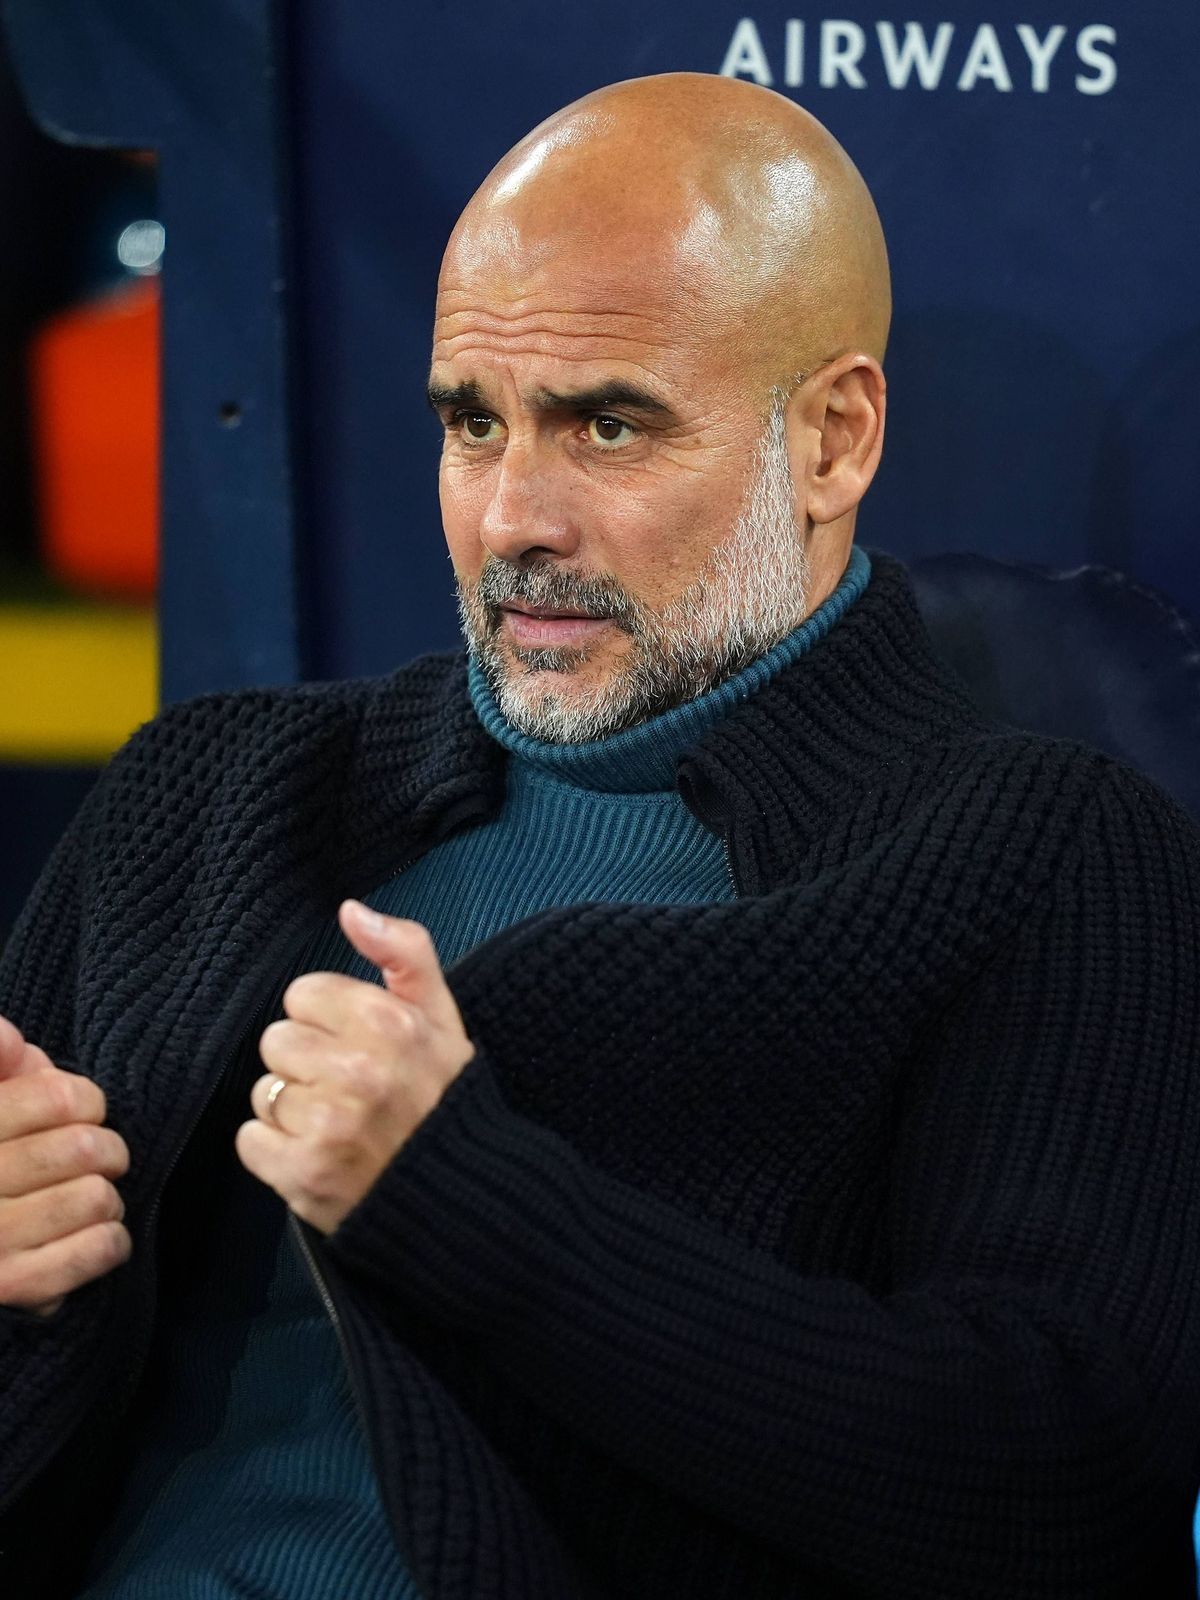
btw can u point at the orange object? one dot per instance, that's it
(95, 411)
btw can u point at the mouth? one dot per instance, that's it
(548, 628)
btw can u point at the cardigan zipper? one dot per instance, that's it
(700, 795)
(349, 1362)
(728, 855)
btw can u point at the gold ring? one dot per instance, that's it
(273, 1094)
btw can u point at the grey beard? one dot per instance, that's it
(750, 594)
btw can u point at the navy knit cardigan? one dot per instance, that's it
(838, 1241)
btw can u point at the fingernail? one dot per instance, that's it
(370, 920)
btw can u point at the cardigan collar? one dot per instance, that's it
(764, 777)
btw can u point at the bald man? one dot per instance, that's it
(738, 1135)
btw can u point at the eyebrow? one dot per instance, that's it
(601, 397)
(441, 398)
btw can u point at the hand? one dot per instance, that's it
(362, 1068)
(60, 1216)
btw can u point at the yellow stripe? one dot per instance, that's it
(75, 681)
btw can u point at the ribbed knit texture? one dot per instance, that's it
(251, 1470)
(839, 1240)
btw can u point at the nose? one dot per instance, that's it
(528, 510)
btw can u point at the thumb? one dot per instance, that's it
(16, 1057)
(402, 950)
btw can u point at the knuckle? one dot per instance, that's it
(97, 1197)
(98, 1250)
(118, 1153)
(302, 992)
(293, 998)
(83, 1145)
(115, 1243)
(270, 1040)
(89, 1098)
(367, 1078)
(56, 1097)
(333, 1122)
(406, 1023)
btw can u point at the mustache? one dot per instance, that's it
(549, 587)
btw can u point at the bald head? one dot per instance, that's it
(656, 356)
(726, 193)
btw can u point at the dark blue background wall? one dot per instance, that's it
(1043, 226)
(1045, 247)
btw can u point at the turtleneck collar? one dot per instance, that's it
(643, 759)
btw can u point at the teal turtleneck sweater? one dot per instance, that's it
(252, 1474)
(599, 821)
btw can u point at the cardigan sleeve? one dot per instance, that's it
(1017, 1415)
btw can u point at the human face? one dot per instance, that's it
(751, 592)
(601, 425)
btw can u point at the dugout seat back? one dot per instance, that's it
(1083, 654)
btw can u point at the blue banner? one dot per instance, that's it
(1035, 172)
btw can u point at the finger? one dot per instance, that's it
(346, 1008)
(319, 1185)
(323, 1000)
(48, 1214)
(36, 1060)
(295, 1050)
(17, 1056)
(40, 1160)
(266, 1152)
(272, 1158)
(48, 1100)
(310, 1110)
(267, 1109)
(353, 1062)
(36, 1280)
(12, 1048)
(402, 950)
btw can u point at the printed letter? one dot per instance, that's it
(842, 45)
(793, 71)
(1041, 52)
(985, 60)
(900, 59)
(1106, 67)
(746, 54)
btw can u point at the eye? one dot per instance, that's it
(477, 427)
(609, 432)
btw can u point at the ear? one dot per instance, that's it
(835, 436)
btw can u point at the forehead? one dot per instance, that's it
(503, 303)
(537, 335)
